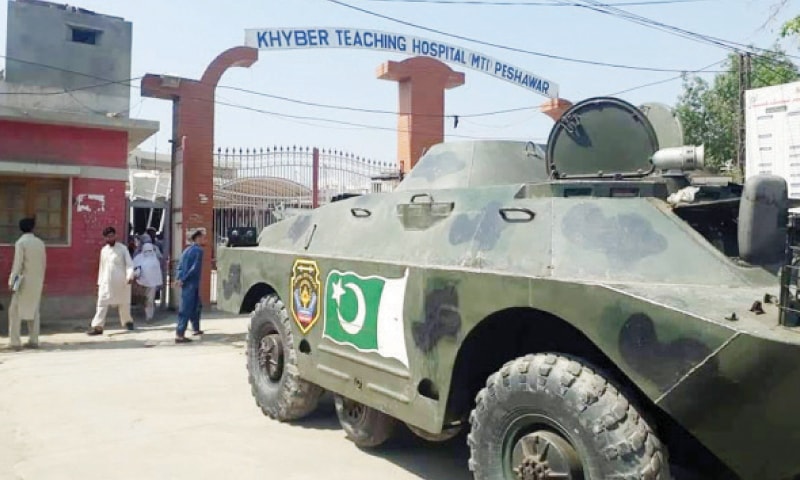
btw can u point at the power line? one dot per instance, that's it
(527, 119)
(228, 104)
(323, 119)
(645, 85)
(70, 90)
(638, 19)
(607, 9)
(503, 47)
(773, 68)
(73, 72)
(370, 110)
(300, 118)
(126, 82)
(666, 80)
(536, 4)
(779, 66)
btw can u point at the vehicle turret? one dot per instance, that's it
(473, 164)
(597, 139)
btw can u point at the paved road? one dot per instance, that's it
(133, 405)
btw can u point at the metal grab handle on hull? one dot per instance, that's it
(310, 237)
(527, 216)
(419, 195)
(360, 212)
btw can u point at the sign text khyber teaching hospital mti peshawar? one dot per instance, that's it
(336, 37)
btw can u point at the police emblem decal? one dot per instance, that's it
(305, 286)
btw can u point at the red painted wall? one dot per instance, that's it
(72, 270)
(66, 145)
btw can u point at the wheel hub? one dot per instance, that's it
(270, 356)
(354, 411)
(545, 455)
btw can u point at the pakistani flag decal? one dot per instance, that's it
(366, 313)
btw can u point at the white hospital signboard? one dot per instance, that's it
(773, 133)
(337, 37)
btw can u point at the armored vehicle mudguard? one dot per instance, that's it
(591, 308)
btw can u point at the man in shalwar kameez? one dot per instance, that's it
(26, 281)
(190, 272)
(114, 279)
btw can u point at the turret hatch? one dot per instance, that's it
(601, 138)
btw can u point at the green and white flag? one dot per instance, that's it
(366, 313)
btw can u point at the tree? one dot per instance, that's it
(709, 110)
(791, 28)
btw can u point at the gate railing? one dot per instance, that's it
(257, 187)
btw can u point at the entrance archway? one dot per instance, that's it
(192, 191)
(422, 80)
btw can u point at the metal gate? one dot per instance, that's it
(256, 188)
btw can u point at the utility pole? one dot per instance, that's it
(744, 85)
(748, 70)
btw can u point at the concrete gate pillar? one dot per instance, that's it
(420, 125)
(555, 108)
(193, 144)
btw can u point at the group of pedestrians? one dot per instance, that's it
(117, 271)
(116, 274)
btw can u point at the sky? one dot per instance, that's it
(181, 37)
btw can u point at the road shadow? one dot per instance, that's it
(236, 340)
(429, 460)
(432, 461)
(323, 418)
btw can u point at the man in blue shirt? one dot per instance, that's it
(190, 272)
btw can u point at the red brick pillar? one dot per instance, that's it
(193, 127)
(555, 107)
(420, 125)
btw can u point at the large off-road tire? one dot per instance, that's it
(544, 415)
(272, 365)
(364, 426)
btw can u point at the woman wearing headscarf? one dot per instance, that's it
(147, 268)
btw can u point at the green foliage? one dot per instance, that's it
(709, 110)
(791, 28)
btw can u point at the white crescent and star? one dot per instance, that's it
(355, 325)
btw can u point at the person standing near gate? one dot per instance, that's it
(114, 279)
(190, 272)
(26, 281)
(147, 269)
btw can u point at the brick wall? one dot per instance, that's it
(71, 276)
(198, 172)
(73, 270)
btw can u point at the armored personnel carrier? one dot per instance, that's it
(591, 308)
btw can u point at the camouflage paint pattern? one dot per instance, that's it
(646, 289)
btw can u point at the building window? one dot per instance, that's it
(46, 199)
(85, 35)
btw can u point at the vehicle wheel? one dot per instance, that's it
(272, 365)
(548, 416)
(364, 426)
